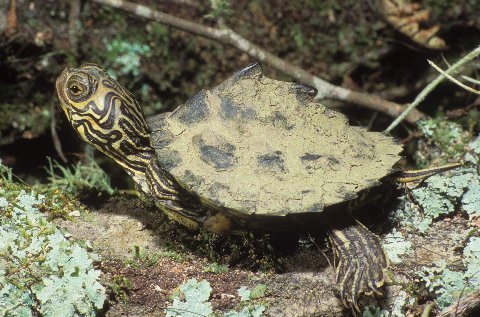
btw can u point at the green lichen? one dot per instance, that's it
(247, 295)
(192, 300)
(409, 215)
(395, 245)
(471, 199)
(41, 270)
(473, 155)
(257, 292)
(402, 300)
(440, 195)
(471, 260)
(475, 145)
(56, 203)
(374, 311)
(125, 56)
(219, 8)
(448, 284)
(445, 140)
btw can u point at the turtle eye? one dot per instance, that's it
(75, 90)
(79, 88)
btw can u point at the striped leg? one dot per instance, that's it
(361, 262)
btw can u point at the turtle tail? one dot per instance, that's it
(360, 261)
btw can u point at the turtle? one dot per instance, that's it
(248, 153)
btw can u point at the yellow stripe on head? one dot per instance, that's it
(106, 116)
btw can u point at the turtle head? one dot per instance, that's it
(106, 116)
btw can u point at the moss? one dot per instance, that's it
(216, 268)
(78, 177)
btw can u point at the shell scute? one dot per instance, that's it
(214, 150)
(195, 109)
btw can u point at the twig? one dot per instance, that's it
(56, 140)
(229, 37)
(421, 96)
(452, 79)
(12, 23)
(465, 306)
(457, 113)
(471, 80)
(73, 23)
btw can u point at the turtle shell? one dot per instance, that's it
(254, 145)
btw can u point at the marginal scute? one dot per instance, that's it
(305, 94)
(265, 149)
(252, 71)
(317, 207)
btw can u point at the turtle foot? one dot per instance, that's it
(361, 262)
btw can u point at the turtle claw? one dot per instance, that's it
(361, 263)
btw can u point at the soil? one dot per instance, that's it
(145, 257)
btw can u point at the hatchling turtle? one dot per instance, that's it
(251, 150)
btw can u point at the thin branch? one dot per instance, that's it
(12, 22)
(452, 79)
(73, 23)
(421, 96)
(229, 37)
(471, 80)
(465, 306)
(56, 140)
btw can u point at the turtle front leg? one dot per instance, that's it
(361, 262)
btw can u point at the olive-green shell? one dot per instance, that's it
(260, 146)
